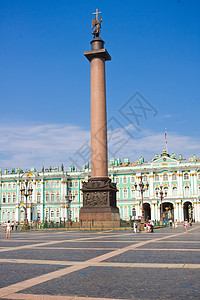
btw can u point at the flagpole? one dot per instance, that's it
(166, 140)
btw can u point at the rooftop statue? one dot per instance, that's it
(96, 24)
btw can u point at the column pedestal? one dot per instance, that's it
(99, 203)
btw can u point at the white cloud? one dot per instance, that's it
(53, 144)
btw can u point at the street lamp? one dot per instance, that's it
(27, 192)
(69, 199)
(142, 188)
(161, 198)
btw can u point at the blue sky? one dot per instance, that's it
(45, 78)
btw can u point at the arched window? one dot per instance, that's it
(174, 176)
(38, 198)
(156, 177)
(125, 211)
(132, 179)
(186, 176)
(52, 197)
(118, 194)
(187, 191)
(124, 180)
(165, 191)
(132, 193)
(125, 194)
(174, 191)
(145, 178)
(165, 177)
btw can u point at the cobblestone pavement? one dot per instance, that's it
(101, 265)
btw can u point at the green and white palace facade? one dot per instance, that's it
(53, 188)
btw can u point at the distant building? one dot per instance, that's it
(53, 188)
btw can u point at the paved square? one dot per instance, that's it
(101, 265)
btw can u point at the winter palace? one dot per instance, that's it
(56, 194)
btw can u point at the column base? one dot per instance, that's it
(99, 201)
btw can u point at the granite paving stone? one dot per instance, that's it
(56, 254)
(124, 283)
(153, 256)
(11, 273)
(166, 245)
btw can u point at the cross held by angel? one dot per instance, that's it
(96, 24)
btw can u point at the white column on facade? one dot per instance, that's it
(169, 186)
(181, 213)
(180, 184)
(34, 197)
(151, 189)
(17, 212)
(29, 212)
(41, 207)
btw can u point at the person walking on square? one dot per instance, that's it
(186, 225)
(148, 226)
(170, 224)
(135, 227)
(176, 224)
(8, 229)
(151, 226)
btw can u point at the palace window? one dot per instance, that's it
(132, 193)
(174, 191)
(117, 180)
(76, 184)
(38, 215)
(132, 179)
(52, 184)
(70, 184)
(186, 176)
(187, 191)
(118, 194)
(58, 197)
(199, 189)
(9, 198)
(125, 193)
(198, 176)
(47, 184)
(145, 178)
(57, 214)
(124, 180)
(4, 198)
(38, 198)
(156, 177)
(125, 211)
(52, 214)
(157, 191)
(165, 191)
(9, 186)
(174, 177)
(57, 184)
(14, 198)
(30, 185)
(47, 197)
(8, 215)
(52, 197)
(4, 186)
(76, 196)
(165, 177)
(14, 185)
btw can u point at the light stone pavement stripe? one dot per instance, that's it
(50, 243)
(14, 288)
(101, 264)
(48, 297)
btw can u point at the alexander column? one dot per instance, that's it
(99, 193)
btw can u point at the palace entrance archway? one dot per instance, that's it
(147, 211)
(168, 211)
(188, 210)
